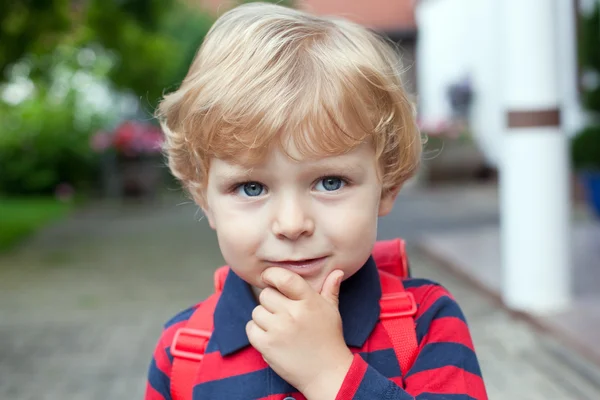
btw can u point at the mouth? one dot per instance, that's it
(301, 267)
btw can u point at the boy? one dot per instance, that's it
(293, 134)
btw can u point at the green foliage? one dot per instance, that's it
(23, 216)
(147, 57)
(44, 137)
(186, 28)
(142, 35)
(585, 146)
(41, 146)
(31, 26)
(585, 149)
(130, 46)
(589, 55)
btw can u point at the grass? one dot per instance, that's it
(21, 217)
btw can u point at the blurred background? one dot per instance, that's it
(99, 246)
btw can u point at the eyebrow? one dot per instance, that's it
(234, 173)
(337, 167)
(238, 172)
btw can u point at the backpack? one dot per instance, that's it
(398, 308)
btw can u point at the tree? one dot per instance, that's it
(31, 26)
(589, 57)
(143, 35)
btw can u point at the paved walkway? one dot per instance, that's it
(82, 303)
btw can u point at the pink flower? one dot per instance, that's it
(131, 139)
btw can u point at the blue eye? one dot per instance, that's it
(250, 189)
(330, 184)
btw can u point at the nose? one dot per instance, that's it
(292, 219)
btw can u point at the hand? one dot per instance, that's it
(299, 332)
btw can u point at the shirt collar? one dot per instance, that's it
(359, 308)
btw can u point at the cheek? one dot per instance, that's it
(239, 232)
(355, 224)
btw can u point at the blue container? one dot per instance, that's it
(591, 184)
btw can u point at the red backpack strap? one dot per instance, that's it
(398, 308)
(390, 256)
(189, 343)
(219, 278)
(188, 347)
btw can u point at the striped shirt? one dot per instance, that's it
(446, 365)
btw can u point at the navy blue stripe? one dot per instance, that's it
(384, 361)
(247, 386)
(168, 351)
(438, 355)
(443, 307)
(375, 386)
(212, 345)
(182, 316)
(253, 385)
(413, 283)
(159, 380)
(438, 396)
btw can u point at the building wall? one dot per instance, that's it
(381, 15)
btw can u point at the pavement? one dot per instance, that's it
(82, 302)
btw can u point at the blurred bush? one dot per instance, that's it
(72, 68)
(585, 146)
(44, 138)
(589, 57)
(585, 149)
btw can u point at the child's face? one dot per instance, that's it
(311, 216)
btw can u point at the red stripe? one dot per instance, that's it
(242, 362)
(430, 298)
(397, 380)
(421, 292)
(449, 329)
(163, 363)
(353, 378)
(152, 394)
(446, 380)
(379, 340)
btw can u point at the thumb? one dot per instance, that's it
(331, 287)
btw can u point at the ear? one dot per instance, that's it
(388, 198)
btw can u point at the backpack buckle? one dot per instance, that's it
(190, 343)
(397, 305)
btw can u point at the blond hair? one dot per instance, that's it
(266, 74)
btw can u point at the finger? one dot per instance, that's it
(263, 318)
(289, 284)
(272, 300)
(331, 287)
(255, 334)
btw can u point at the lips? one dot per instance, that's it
(301, 267)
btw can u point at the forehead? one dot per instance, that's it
(283, 159)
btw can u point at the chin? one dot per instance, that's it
(317, 284)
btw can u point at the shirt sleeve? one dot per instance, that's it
(159, 373)
(158, 385)
(446, 365)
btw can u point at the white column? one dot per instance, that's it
(534, 167)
